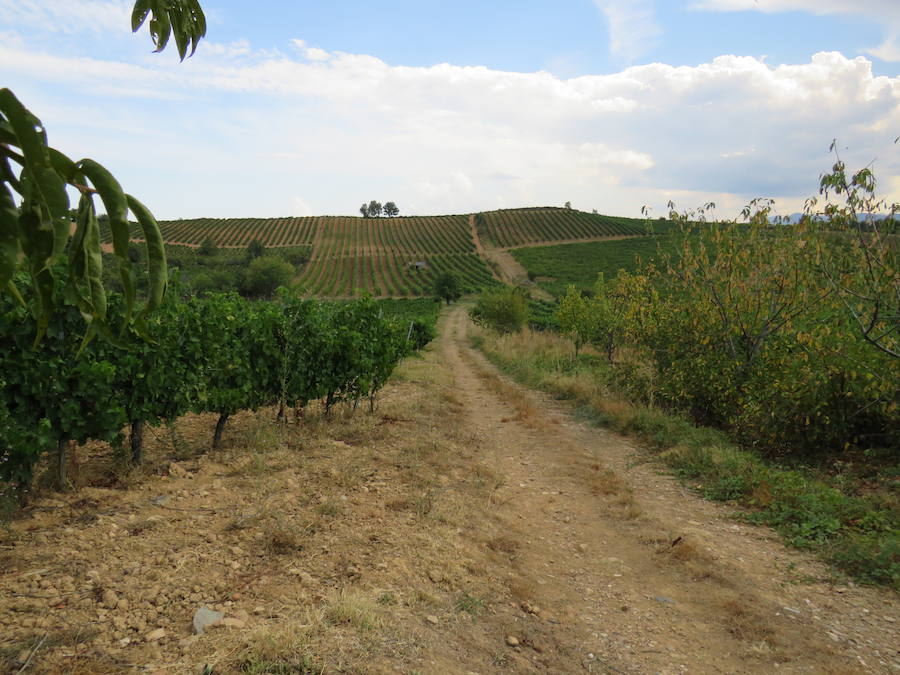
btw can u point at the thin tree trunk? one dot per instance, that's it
(137, 442)
(62, 464)
(220, 427)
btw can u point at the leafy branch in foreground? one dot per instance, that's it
(36, 232)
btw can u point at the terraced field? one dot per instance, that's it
(511, 228)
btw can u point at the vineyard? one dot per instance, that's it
(232, 232)
(385, 257)
(380, 256)
(520, 227)
(217, 354)
(555, 267)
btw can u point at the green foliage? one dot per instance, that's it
(208, 247)
(861, 261)
(555, 268)
(542, 314)
(296, 256)
(265, 274)
(577, 318)
(53, 392)
(36, 234)
(419, 317)
(183, 19)
(446, 287)
(218, 354)
(255, 249)
(743, 332)
(503, 309)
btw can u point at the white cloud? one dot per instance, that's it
(889, 50)
(884, 12)
(310, 53)
(252, 128)
(67, 16)
(316, 54)
(870, 8)
(633, 28)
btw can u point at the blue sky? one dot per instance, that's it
(312, 108)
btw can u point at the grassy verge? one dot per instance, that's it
(856, 530)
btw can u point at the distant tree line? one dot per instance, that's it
(375, 209)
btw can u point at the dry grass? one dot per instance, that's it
(606, 482)
(503, 544)
(745, 621)
(352, 609)
(526, 411)
(283, 540)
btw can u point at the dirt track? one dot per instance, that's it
(599, 532)
(466, 512)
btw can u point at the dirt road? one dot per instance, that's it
(468, 526)
(648, 577)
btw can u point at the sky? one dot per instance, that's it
(454, 106)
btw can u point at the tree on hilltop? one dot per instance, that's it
(375, 209)
(390, 209)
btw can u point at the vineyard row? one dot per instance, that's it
(391, 275)
(218, 354)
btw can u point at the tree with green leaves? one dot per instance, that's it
(446, 287)
(391, 210)
(255, 249)
(208, 248)
(861, 258)
(265, 275)
(577, 318)
(374, 209)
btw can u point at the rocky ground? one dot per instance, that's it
(468, 526)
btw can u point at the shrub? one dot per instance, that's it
(504, 309)
(296, 256)
(266, 274)
(208, 248)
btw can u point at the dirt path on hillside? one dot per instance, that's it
(504, 266)
(479, 247)
(467, 526)
(578, 240)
